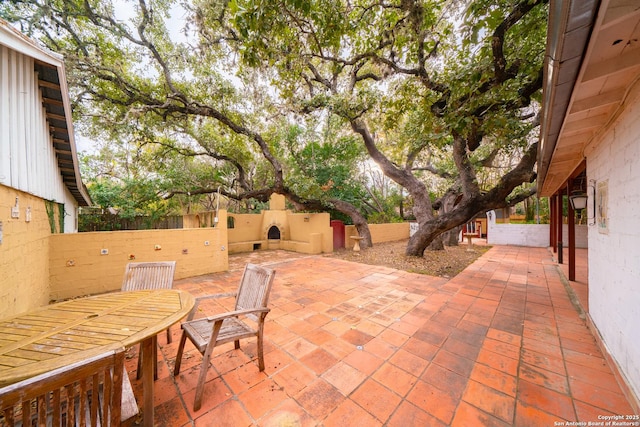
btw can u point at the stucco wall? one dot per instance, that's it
(246, 227)
(534, 235)
(312, 228)
(614, 254)
(77, 266)
(205, 219)
(301, 232)
(379, 233)
(24, 253)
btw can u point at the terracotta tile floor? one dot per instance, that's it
(353, 344)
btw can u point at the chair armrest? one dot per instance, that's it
(193, 311)
(219, 317)
(215, 296)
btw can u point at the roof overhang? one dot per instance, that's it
(592, 60)
(52, 82)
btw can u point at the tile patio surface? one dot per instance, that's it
(351, 344)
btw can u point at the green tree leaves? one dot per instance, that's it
(287, 95)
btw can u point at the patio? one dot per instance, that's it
(348, 343)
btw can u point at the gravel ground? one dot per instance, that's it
(445, 263)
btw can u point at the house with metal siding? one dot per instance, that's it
(40, 184)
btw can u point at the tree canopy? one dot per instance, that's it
(286, 96)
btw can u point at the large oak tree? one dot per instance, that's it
(412, 79)
(436, 91)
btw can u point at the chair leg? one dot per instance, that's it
(183, 340)
(236, 343)
(197, 404)
(169, 339)
(206, 358)
(260, 353)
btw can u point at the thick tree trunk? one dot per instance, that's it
(358, 220)
(447, 204)
(451, 237)
(436, 244)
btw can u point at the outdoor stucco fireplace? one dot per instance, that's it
(273, 233)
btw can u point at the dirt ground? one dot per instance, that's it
(445, 263)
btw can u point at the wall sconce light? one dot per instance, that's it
(578, 200)
(306, 218)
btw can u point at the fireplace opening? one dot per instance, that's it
(273, 233)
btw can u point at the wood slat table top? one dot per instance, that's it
(60, 334)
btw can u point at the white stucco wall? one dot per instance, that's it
(534, 235)
(614, 254)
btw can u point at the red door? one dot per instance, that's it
(338, 234)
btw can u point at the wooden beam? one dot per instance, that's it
(611, 66)
(559, 225)
(52, 101)
(552, 223)
(584, 125)
(58, 129)
(618, 12)
(50, 85)
(581, 168)
(56, 116)
(45, 64)
(606, 98)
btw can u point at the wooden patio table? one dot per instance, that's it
(59, 334)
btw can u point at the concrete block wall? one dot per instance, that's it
(78, 266)
(613, 161)
(24, 253)
(534, 235)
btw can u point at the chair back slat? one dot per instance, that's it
(69, 395)
(149, 275)
(254, 288)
